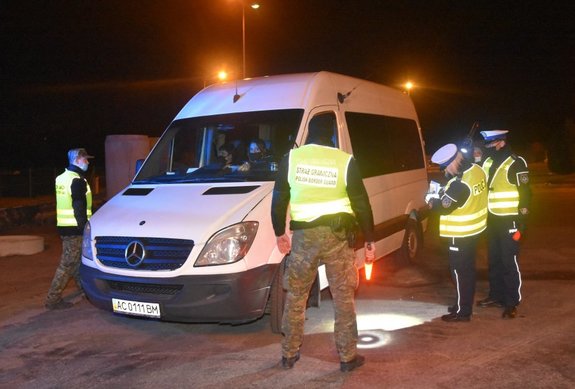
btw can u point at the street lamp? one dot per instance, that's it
(222, 75)
(254, 6)
(408, 87)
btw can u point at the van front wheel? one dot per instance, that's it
(412, 242)
(277, 299)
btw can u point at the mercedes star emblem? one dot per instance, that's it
(135, 253)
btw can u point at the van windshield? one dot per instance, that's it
(246, 146)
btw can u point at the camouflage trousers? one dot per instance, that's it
(311, 248)
(68, 268)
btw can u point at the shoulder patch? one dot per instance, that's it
(523, 178)
(446, 202)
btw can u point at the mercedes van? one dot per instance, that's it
(190, 238)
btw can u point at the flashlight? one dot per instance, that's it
(368, 268)
(369, 259)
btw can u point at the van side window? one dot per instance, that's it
(384, 144)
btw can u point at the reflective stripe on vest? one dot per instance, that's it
(471, 218)
(317, 178)
(503, 196)
(64, 209)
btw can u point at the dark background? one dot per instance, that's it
(75, 71)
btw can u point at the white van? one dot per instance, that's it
(190, 239)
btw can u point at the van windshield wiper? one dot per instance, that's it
(153, 181)
(182, 180)
(207, 179)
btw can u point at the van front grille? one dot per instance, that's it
(143, 253)
(139, 288)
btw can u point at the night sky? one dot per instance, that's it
(76, 71)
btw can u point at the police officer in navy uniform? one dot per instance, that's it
(508, 204)
(462, 206)
(73, 209)
(325, 192)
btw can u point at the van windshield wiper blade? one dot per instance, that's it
(207, 179)
(152, 181)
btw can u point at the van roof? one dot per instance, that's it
(293, 91)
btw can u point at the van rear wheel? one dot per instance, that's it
(412, 242)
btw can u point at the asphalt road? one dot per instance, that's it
(405, 343)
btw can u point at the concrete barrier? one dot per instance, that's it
(20, 245)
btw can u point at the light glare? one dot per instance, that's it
(376, 319)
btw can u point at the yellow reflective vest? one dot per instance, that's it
(503, 196)
(64, 209)
(470, 218)
(317, 178)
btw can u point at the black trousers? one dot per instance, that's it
(503, 256)
(462, 253)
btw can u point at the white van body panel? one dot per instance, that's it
(174, 211)
(307, 90)
(238, 291)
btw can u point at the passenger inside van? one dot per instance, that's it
(258, 150)
(258, 156)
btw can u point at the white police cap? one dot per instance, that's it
(493, 135)
(445, 155)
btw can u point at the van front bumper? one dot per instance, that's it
(222, 298)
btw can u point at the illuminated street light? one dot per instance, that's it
(408, 87)
(222, 75)
(253, 6)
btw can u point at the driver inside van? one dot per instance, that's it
(226, 155)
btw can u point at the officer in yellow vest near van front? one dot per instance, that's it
(325, 192)
(509, 198)
(462, 206)
(73, 209)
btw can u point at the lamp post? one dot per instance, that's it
(254, 6)
(243, 40)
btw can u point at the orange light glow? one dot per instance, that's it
(368, 268)
(222, 75)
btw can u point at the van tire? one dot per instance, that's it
(412, 242)
(277, 299)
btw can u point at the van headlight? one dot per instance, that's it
(228, 245)
(87, 242)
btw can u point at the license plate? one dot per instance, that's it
(136, 308)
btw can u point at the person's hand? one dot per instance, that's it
(430, 196)
(369, 252)
(284, 243)
(244, 167)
